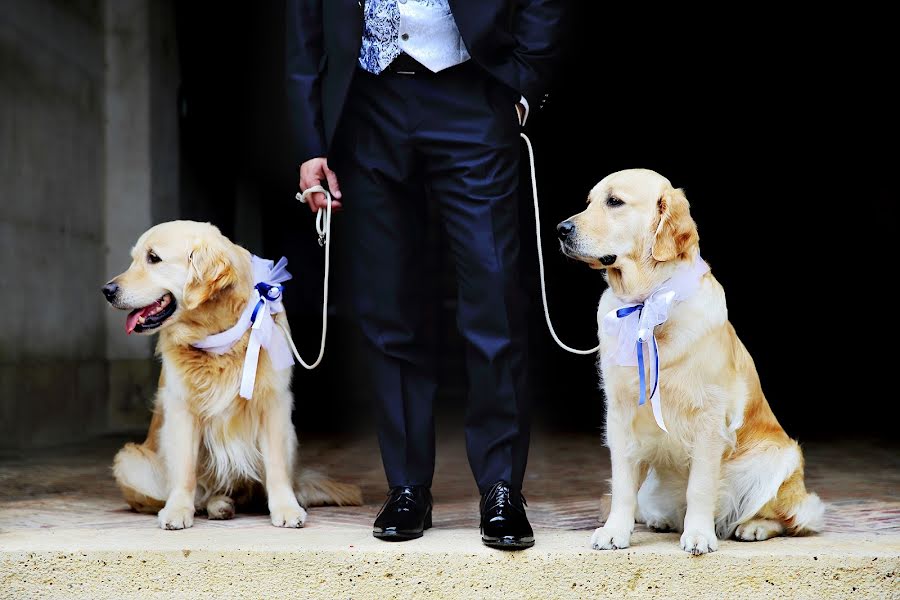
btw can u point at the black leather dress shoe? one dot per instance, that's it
(405, 515)
(503, 521)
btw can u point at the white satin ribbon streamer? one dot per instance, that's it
(632, 326)
(265, 301)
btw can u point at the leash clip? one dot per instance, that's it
(323, 217)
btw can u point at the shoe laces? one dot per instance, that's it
(502, 497)
(400, 495)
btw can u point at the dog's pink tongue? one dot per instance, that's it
(132, 318)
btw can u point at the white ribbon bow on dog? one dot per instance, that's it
(633, 326)
(265, 301)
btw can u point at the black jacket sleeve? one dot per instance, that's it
(536, 27)
(304, 51)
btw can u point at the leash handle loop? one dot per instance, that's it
(540, 253)
(323, 230)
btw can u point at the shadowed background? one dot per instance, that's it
(118, 115)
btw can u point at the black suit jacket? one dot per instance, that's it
(514, 40)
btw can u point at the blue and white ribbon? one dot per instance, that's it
(265, 302)
(632, 326)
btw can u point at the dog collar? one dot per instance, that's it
(265, 302)
(633, 326)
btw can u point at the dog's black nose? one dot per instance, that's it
(110, 290)
(565, 229)
(607, 260)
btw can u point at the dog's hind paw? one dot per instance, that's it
(756, 530)
(660, 525)
(288, 516)
(220, 507)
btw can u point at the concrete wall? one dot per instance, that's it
(52, 367)
(88, 140)
(141, 177)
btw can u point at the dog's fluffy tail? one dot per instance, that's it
(807, 517)
(315, 489)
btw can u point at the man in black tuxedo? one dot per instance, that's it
(398, 101)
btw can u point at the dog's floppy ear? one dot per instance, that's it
(675, 230)
(209, 272)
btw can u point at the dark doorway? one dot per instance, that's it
(759, 128)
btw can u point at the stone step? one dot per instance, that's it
(346, 562)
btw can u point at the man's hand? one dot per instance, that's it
(521, 112)
(312, 172)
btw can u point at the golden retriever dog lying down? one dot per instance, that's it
(208, 448)
(724, 466)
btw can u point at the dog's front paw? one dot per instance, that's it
(699, 542)
(176, 516)
(610, 537)
(288, 515)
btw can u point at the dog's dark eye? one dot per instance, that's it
(613, 201)
(152, 258)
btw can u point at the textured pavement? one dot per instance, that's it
(72, 487)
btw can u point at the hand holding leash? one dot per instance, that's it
(312, 173)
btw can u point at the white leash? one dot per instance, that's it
(540, 253)
(323, 228)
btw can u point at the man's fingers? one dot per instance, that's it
(310, 178)
(333, 185)
(323, 204)
(318, 201)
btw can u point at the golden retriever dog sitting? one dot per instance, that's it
(694, 445)
(208, 448)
